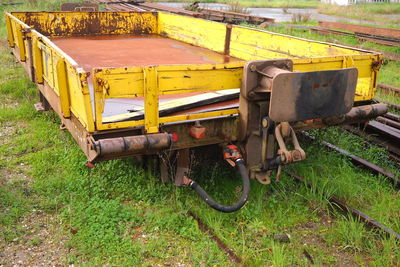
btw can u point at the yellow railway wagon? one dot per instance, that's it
(138, 83)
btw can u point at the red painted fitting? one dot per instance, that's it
(89, 164)
(197, 131)
(175, 137)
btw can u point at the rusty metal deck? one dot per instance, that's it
(138, 50)
(135, 50)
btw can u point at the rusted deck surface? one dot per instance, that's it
(138, 50)
(135, 50)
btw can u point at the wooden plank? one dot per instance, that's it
(392, 33)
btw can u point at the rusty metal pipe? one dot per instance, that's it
(356, 114)
(138, 143)
(364, 113)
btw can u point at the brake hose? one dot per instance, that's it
(243, 199)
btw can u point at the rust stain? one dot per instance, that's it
(63, 24)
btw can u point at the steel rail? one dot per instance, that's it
(206, 229)
(392, 116)
(394, 150)
(344, 207)
(359, 161)
(386, 88)
(388, 121)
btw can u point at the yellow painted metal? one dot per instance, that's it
(252, 44)
(196, 116)
(175, 79)
(20, 41)
(48, 74)
(37, 59)
(63, 88)
(10, 35)
(87, 118)
(120, 82)
(45, 56)
(162, 120)
(151, 81)
(203, 33)
(99, 101)
(83, 23)
(150, 100)
(171, 79)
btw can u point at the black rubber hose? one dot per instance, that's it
(245, 192)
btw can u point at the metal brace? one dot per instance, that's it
(284, 131)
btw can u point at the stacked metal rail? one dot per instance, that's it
(210, 14)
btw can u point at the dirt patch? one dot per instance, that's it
(312, 238)
(43, 245)
(39, 239)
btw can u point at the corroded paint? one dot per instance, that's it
(115, 51)
(89, 23)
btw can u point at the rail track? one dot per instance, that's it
(384, 132)
(207, 230)
(385, 36)
(357, 214)
(373, 168)
(389, 89)
(210, 14)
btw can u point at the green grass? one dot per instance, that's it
(119, 214)
(373, 12)
(389, 73)
(391, 97)
(349, 40)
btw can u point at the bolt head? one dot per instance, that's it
(265, 122)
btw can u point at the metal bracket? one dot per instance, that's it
(182, 170)
(283, 130)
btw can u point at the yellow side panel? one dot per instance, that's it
(85, 23)
(248, 43)
(63, 87)
(80, 103)
(185, 81)
(55, 58)
(203, 33)
(37, 58)
(74, 81)
(48, 74)
(171, 79)
(10, 35)
(121, 82)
